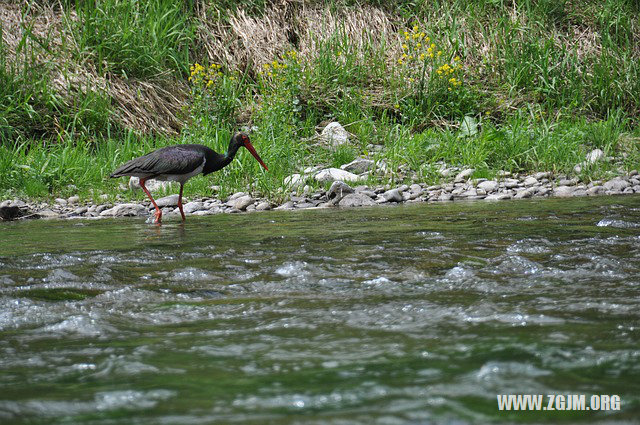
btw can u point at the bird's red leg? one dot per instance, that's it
(158, 211)
(180, 202)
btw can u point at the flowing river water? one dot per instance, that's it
(413, 314)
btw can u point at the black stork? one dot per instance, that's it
(181, 162)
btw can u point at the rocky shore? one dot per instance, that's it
(346, 190)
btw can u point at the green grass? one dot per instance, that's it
(546, 81)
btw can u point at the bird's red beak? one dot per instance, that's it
(249, 146)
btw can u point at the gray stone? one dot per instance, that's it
(594, 190)
(240, 203)
(369, 193)
(124, 210)
(530, 181)
(444, 196)
(263, 206)
(237, 195)
(359, 166)
(511, 183)
(73, 199)
(48, 214)
(446, 172)
(338, 189)
(192, 207)
(333, 174)
(168, 201)
(616, 184)
(60, 201)
(286, 206)
(464, 175)
(80, 210)
(356, 200)
(392, 195)
(568, 182)
(543, 191)
(498, 197)
(468, 193)
(488, 186)
(564, 191)
(526, 193)
(542, 175)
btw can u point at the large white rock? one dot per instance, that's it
(151, 185)
(334, 134)
(333, 174)
(594, 156)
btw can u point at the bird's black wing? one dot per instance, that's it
(181, 159)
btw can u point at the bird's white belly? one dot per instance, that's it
(181, 178)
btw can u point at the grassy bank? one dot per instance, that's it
(87, 86)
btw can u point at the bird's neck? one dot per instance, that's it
(216, 161)
(230, 154)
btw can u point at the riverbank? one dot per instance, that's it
(458, 187)
(523, 87)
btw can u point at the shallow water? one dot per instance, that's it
(387, 315)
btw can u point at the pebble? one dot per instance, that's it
(240, 203)
(356, 200)
(392, 195)
(616, 184)
(192, 207)
(564, 191)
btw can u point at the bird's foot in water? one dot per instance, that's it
(156, 218)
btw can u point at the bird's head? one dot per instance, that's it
(242, 139)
